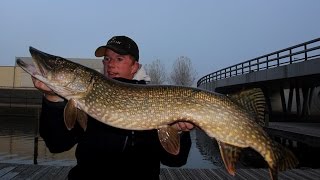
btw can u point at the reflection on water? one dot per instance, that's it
(200, 156)
(209, 148)
(17, 145)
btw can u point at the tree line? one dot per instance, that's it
(182, 72)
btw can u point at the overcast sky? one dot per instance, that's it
(213, 33)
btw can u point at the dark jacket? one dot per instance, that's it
(104, 151)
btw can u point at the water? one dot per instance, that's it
(17, 145)
(199, 157)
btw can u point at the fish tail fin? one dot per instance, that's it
(287, 159)
(252, 100)
(273, 174)
(284, 159)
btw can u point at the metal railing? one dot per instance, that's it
(298, 53)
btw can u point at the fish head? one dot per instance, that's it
(63, 76)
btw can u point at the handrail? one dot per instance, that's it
(294, 54)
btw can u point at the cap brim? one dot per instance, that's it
(100, 51)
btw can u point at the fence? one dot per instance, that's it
(298, 53)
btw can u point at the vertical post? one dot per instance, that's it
(36, 137)
(290, 52)
(283, 102)
(242, 68)
(305, 102)
(298, 101)
(290, 97)
(305, 52)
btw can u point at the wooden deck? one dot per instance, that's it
(39, 172)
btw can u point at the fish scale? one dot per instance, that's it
(234, 120)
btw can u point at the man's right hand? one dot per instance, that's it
(48, 93)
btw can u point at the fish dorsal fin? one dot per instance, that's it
(252, 100)
(230, 155)
(169, 139)
(70, 114)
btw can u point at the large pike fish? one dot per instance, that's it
(230, 119)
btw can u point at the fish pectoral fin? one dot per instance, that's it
(82, 119)
(70, 114)
(230, 155)
(169, 139)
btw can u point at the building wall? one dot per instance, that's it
(6, 76)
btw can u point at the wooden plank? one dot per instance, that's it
(246, 174)
(63, 174)
(259, 173)
(199, 173)
(43, 172)
(292, 174)
(283, 176)
(52, 173)
(315, 172)
(9, 175)
(212, 174)
(5, 170)
(165, 174)
(37, 175)
(306, 176)
(188, 174)
(176, 174)
(28, 171)
(219, 174)
(15, 172)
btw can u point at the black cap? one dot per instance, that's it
(120, 44)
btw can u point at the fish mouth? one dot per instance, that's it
(40, 66)
(29, 68)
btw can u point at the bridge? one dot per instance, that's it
(290, 80)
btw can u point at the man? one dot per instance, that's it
(104, 151)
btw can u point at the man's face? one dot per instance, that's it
(121, 66)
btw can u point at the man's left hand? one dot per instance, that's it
(183, 126)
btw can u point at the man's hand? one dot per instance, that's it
(49, 94)
(183, 126)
